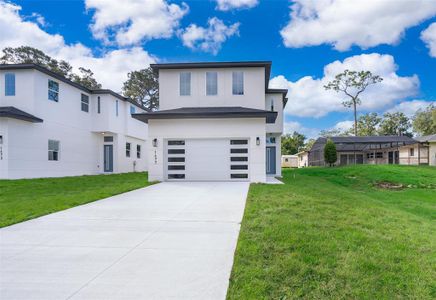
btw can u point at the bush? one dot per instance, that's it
(330, 155)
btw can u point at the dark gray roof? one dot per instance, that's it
(360, 143)
(426, 138)
(15, 113)
(208, 113)
(224, 64)
(66, 80)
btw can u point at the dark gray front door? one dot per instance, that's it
(108, 158)
(270, 160)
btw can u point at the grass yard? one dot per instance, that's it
(25, 199)
(330, 233)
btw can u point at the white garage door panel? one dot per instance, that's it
(207, 159)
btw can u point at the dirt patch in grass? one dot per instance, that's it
(389, 185)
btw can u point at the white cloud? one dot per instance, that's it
(291, 126)
(129, 22)
(210, 38)
(409, 108)
(308, 98)
(344, 23)
(110, 69)
(429, 38)
(344, 125)
(226, 5)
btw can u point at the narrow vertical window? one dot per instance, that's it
(132, 109)
(98, 105)
(53, 90)
(53, 150)
(127, 149)
(185, 84)
(116, 108)
(412, 151)
(211, 83)
(9, 84)
(138, 151)
(238, 83)
(84, 102)
(272, 105)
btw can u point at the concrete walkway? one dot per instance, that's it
(166, 241)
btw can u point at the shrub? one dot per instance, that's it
(330, 155)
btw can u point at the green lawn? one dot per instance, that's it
(329, 233)
(26, 199)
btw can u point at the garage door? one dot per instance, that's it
(207, 159)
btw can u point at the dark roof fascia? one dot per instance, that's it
(66, 80)
(15, 113)
(212, 114)
(224, 64)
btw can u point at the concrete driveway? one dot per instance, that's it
(166, 241)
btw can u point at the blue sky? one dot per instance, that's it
(307, 42)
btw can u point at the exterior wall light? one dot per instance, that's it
(155, 143)
(258, 141)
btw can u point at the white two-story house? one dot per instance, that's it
(217, 121)
(52, 127)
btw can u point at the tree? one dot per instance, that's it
(352, 84)
(395, 124)
(86, 78)
(143, 87)
(332, 132)
(424, 121)
(330, 154)
(308, 145)
(292, 144)
(29, 55)
(367, 124)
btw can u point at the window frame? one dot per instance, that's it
(98, 105)
(84, 104)
(9, 84)
(54, 151)
(237, 87)
(138, 151)
(211, 83)
(52, 91)
(185, 90)
(128, 149)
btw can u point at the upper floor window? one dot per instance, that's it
(9, 84)
(132, 109)
(138, 151)
(98, 105)
(238, 83)
(185, 84)
(53, 150)
(211, 83)
(85, 103)
(53, 90)
(116, 108)
(272, 105)
(128, 149)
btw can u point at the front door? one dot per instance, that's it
(393, 157)
(108, 158)
(271, 160)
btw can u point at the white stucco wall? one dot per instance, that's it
(277, 100)
(254, 89)
(207, 129)
(80, 133)
(406, 159)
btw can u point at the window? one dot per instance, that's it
(370, 155)
(242, 150)
(239, 158)
(9, 84)
(1, 139)
(127, 149)
(176, 176)
(176, 143)
(53, 90)
(138, 151)
(412, 151)
(238, 142)
(98, 105)
(239, 167)
(379, 155)
(176, 159)
(85, 103)
(286, 160)
(176, 167)
(53, 150)
(211, 83)
(132, 109)
(176, 151)
(185, 84)
(272, 105)
(116, 108)
(238, 83)
(108, 139)
(238, 176)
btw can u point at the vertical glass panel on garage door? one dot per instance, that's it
(239, 165)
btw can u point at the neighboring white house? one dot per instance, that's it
(303, 159)
(51, 127)
(289, 161)
(217, 121)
